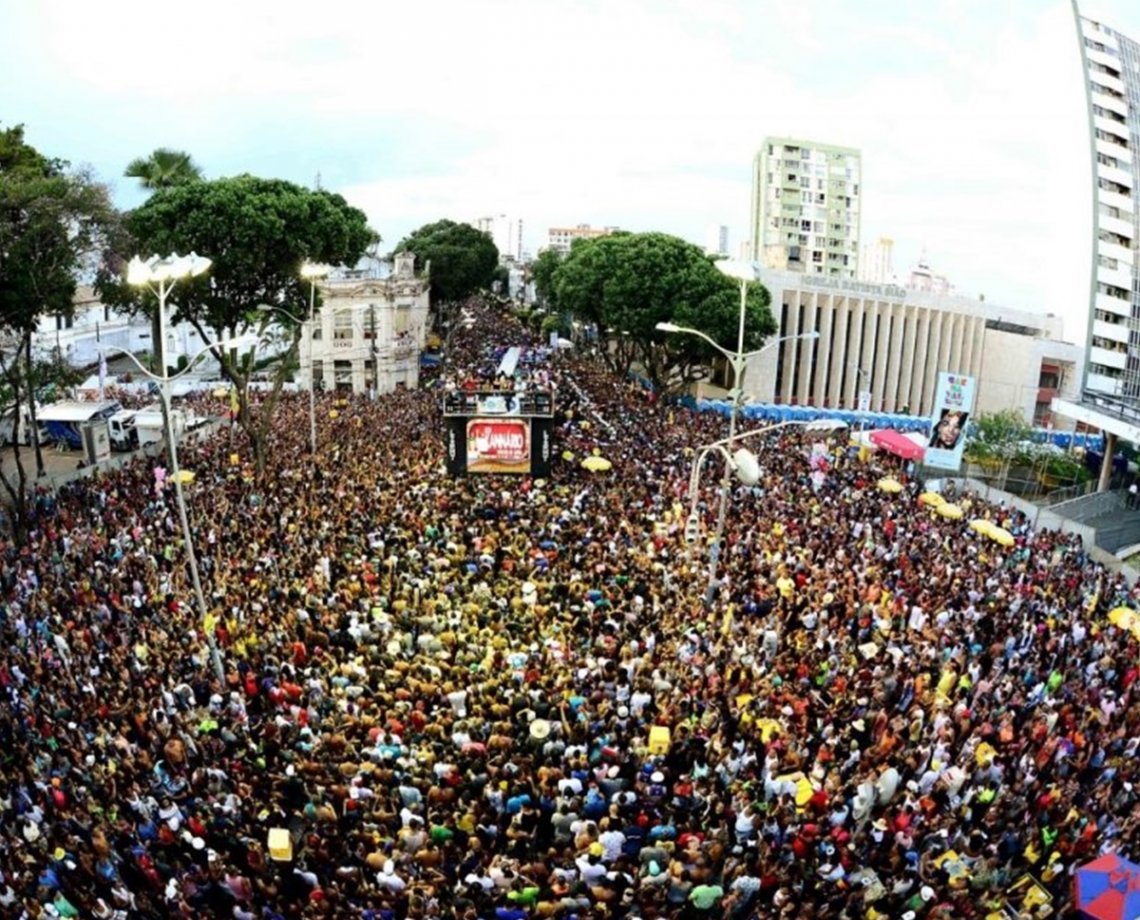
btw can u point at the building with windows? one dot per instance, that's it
(1110, 393)
(560, 238)
(506, 233)
(891, 342)
(369, 331)
(806, 207)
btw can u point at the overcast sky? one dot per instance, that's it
(639, 113)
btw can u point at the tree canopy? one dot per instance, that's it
(163, 168)
(258, 232)
(463, 259)
(542, 271)
(627, 283)
(53, 222)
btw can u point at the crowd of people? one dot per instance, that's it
(498, 698)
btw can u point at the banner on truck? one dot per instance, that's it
(498, 445)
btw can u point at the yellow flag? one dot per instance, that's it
(233, 400)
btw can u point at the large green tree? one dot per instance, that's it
(53, 222)
(542, 271)
(627, 283)
(163, 168)
(258, 232)
(463, 259)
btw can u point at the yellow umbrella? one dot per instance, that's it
(1124, 617)
(220, 393)
(596, 464)
(185, 477)
(567, 455)
(953, 512)
(980, 525)
(890, 486)
(931, 498)
(1001, 536)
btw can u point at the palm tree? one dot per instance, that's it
(164, 168)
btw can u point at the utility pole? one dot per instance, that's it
(375, 367)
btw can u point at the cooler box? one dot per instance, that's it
(280, 844)
(659, 739)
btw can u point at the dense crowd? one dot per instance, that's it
(451, 694)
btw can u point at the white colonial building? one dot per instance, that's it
(369, 331)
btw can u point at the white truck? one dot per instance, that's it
(132, 428)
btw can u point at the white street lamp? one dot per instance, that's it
(311, 271)
(160, 273)
(240, 343)
(738, 361)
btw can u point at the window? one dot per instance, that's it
(1104, 370)
(1105, 316)
(1107, 236)
(342, 326)
(1100, 341)
(816, 256)
(1109, 186)
(1108, 262)
(1111, 290)
(401, 318)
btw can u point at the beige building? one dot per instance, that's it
(560, 238)
(369, 332)
(892, 342)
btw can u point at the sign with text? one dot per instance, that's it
(498, 445)
(953, 403)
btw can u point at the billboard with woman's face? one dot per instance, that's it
(953, 403)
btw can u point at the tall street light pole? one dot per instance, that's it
(738, 361)
(312, 271)
(160, 274)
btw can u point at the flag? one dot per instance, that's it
(102, 372)
(234, 401)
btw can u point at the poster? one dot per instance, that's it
(498, 445)
(953, 404)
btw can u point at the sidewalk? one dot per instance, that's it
(61, 467)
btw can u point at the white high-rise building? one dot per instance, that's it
(1110, 392)
(806, 207)
(716, 240)
(876, 261)
(506, 233)
(1112, 85)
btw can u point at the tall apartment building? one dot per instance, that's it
(805, 207)
(716, 240)
(506, 233)
(560, 238)
(1110, 391)
(1112, 85)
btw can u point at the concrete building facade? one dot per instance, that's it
(369, 332)
(892, 342)
(806, 208)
